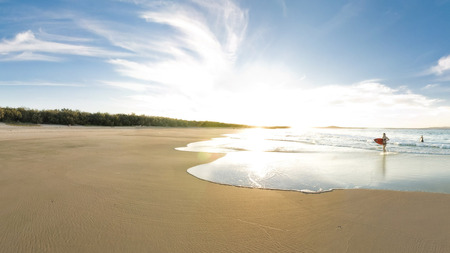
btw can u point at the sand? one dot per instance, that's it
(93, 189)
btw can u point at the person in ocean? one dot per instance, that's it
(385, 140)
(421, 138)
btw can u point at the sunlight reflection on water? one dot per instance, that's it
(315, 168)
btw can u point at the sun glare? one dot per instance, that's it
(257, 168)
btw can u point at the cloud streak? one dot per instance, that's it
(27, 47)
(133, 86)
(39, 83)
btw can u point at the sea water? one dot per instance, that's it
(323, 159)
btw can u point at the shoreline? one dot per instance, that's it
(313, 192)
(328, 171)
(116, 190)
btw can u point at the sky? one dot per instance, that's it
(353, 63)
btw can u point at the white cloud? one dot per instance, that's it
(372, 104)
(442, 66)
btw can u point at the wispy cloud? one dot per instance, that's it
(133, 86)
(283, 7)
(197, 48)
(25, 46)
(430, 86)
(57, 37)
(346, 14)
(28, 56)
(38, 83)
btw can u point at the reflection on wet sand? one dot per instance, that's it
(317, 172)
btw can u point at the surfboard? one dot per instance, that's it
(379, 141)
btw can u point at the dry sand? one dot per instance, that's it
(127, 190)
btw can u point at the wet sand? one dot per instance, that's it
(78, 189)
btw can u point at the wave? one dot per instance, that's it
(423, 145)
(403, 141)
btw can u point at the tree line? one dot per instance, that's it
(75, 117)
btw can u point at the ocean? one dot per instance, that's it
(323, 159)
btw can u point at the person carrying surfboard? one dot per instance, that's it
(385, 140)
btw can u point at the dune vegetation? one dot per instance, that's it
(75, 117)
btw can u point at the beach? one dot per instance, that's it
(99, 189)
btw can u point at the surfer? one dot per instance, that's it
(421, 138)
(385, 139)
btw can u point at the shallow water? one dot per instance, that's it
(317, 160)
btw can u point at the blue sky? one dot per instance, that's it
(270, 62)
